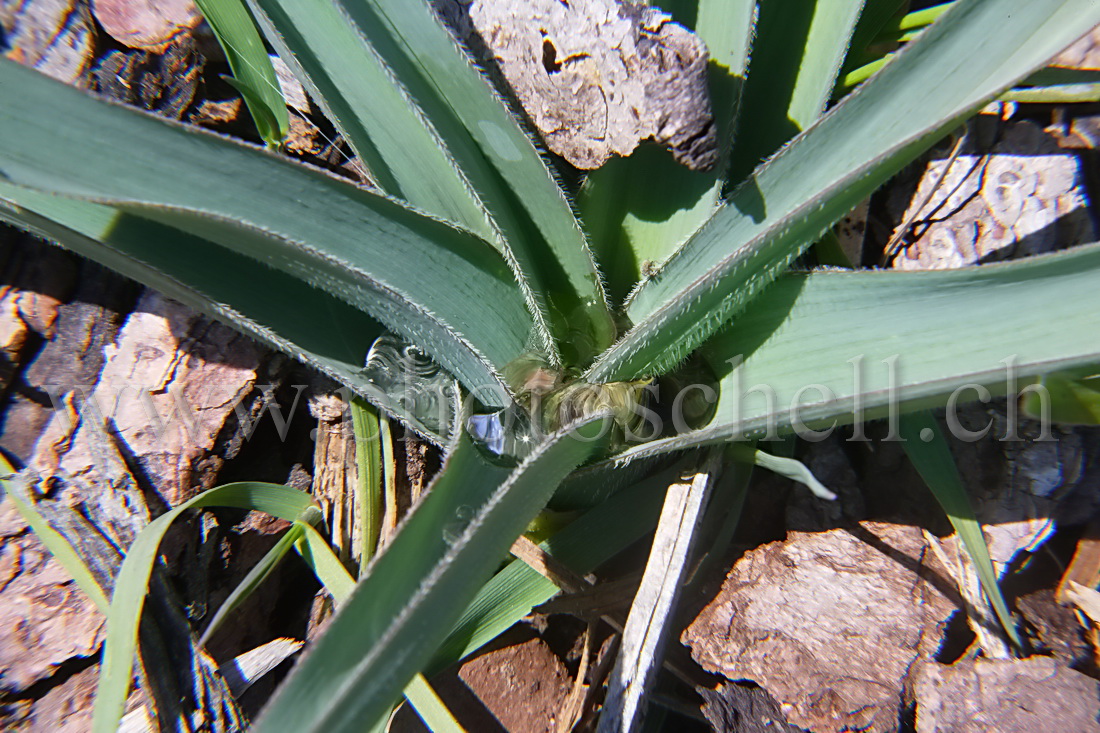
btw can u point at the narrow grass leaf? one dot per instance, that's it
(253, 74)
(416, 275)
(792, 469)
(16, 490)
(430, 708)
(975, 51)
(417, 587)
(876, 15)
(256, 575)
(132, 583)
(369, 495)
(318, 554)
(1061, 94)
(927, 448)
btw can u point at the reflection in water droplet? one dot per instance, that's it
(417, 385)
(506, 436)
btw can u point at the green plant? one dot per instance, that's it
(471, 250)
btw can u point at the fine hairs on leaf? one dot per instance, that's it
(467, 247)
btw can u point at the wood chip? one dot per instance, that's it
(1084, 54)
(56, 37)
(45, 619)
(1025, 197)
(829, 623)
(1007, 696)
(596, 77)
(146, 24)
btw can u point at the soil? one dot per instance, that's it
(858, 614)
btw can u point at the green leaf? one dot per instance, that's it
(787, 468)
(414, 274)
(535, 220)
(590, 540)
(927, 448)
(317, 553)
(827, 348)
(265, 121)
(380, 121)
(418, 586)
(796, 56)
(820, 175)
(132, 584)
(256, 575)
(1061, 94)
(16, 490)
(1071, 397)
(876, 15)
(254, 75)
(369, 495)
(430, 708)
(320, 330)
(635, 225)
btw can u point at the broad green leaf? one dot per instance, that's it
(418, 586)
(378, 119)
(253, 73)
(320, 330)
(833, 347)
(928, 450)
(132, 584)
(975, 51)
(416, 275)
(636, 225)
(796, 55)
(536, 222)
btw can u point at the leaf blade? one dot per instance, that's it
(419, 585)
(536, 221)
(128, 597)
(320, 330)
(930, 334)
(833, 165)
(380, 121)
(205, 185)
(252, 69)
